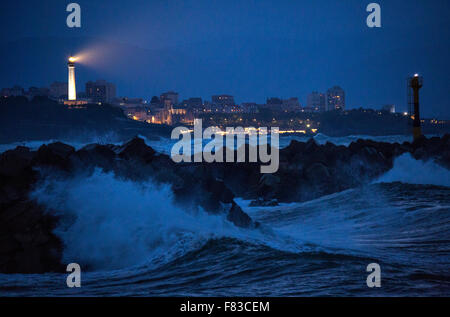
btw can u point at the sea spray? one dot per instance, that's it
(408, 170)
(402, 227)
(110, 223)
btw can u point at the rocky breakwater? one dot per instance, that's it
(306, 171)
(27, 240)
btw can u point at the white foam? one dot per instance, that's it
(112, 223)
(408, 170)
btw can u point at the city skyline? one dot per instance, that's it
(58, 89)
(304, 100)
(258, 51)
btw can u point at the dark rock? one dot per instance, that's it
(54, 155)
(61, 149)
(239, 218)
(14, 162)
(419, 142)
(94, 155)
(136, 149)
(27, 242)
(317, 173)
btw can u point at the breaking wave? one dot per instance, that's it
(110, 223)
(132, 238)
(411, 171)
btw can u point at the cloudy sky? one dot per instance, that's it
(250, 49)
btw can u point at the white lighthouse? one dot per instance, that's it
(72, 92)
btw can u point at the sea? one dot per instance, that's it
(131, 239)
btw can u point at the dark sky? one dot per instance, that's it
(250, 49)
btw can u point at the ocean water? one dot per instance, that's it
(131, 239)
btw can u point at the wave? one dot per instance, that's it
(110, 223)
(411, 171)
(134, 240)
(77, 142)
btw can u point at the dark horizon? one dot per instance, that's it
(249, 50)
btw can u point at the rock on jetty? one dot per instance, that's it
(307, 171)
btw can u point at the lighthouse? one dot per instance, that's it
(72, 92)
(414, 84)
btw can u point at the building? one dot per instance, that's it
(182, 114)
(125, 102)
(388, 108)
(12, 92)
(316, 101)
(335, 99)
(232, 109)
(169, 97)
(290, 105)
(37, 92)
(222, 103)
(195, 102)
(287, 105)
(195, 105)
(71, 100)
(59, 90)
(250, 107)
(155, 102)
(274, 101)
(208, 106)
(100, 91)
(72, 91)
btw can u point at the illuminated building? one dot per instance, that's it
(100, 91)
(71, 86)
(72, 92)
(250, 107)
(58, 89)
(169, 96)
(335, 98)
(291, 104)
(316, 101)
(221, 103)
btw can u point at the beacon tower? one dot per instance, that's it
(72, 92)
(414, 84)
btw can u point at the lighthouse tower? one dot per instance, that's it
(414, 85)
(72, 92)
(72, 101)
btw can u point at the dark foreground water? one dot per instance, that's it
(130, 239)
(315, 248)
